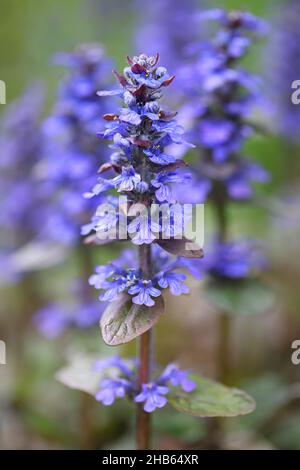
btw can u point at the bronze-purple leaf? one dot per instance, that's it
(121, 78)
(105, 167)
(109, 166)
(175, 166)
(183, 247)
(156, 59)
(137, 68)
(168, 81)
(123, 321)
(110, 117)
(167, 116)
(139, 91)
(139, 142)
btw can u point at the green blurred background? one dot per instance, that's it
(44, 414)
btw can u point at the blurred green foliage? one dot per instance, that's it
(31, 31)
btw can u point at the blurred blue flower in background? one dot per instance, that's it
(58, 317)
(72, 151)
(167, 26)
(282, 61)
(21, 207)
(234, 260)
(219, 99)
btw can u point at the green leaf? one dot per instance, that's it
(249, 297)
(123, 321)
(211, 399)
(79, 374)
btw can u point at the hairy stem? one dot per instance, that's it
(143, 420)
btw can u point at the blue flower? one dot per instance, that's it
(113, 278)
(102, 186)
(163, 192)
(117, 92)
(225, 98)
(121, 276)
(72, 152)
(173, 281)
(23, 208)
(238, 46)
(128, 180)
(120, 380)
(102, 224)
(111, 389)
(281, 59)
(140, 132)
(143, 292)
(135, 113)
(215, 132)
(98, 280)
(239, 184)
(235, 20)
(144, 229)
(199, 190)
(153, 396)
(174, 220)
(125, 368)
(115, 129)
(220, 96)
(170, 33)
(156, 156)
(130, 116)
(143, 71)
(177, 378)
(87, 315)
(51, 321)
(234, 260)
(105, 221)
(172, 130)
(87, 228)
(54, 319)
(151, 110)
(253, 24)
(236, 178)
(113, 289)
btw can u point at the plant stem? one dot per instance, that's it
(143, 419)
(224, 347)
(221, 218)
(215, 426)
(224, 327)
(29, 302)
(86, 421)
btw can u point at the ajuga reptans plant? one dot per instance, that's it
(221, 96)
(141, 172)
